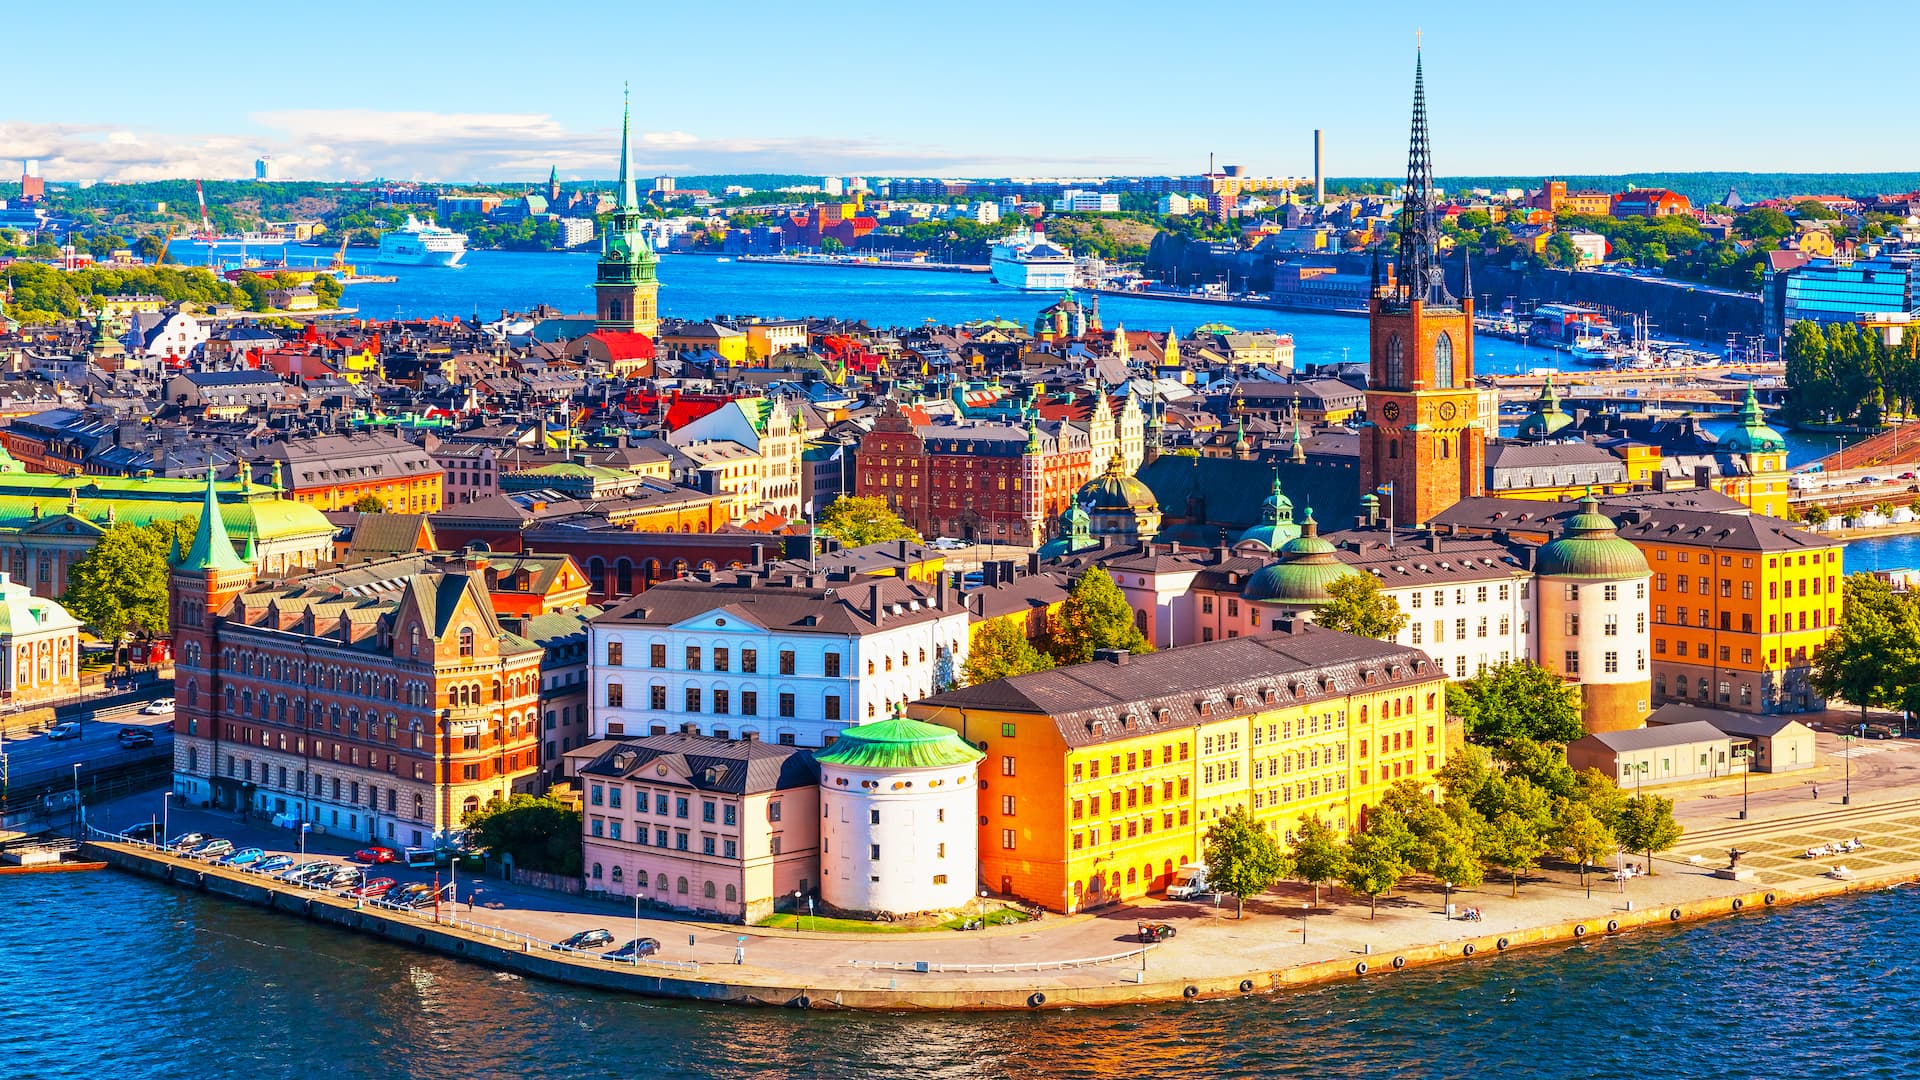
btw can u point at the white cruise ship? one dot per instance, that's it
(419, 243)
(1028, 260)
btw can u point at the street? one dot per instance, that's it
(36, 758)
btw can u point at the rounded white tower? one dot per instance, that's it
(1592, 588)
(898, 808)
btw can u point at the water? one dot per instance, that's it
(121, 976)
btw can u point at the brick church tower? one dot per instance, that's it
(202, 586)
(1424, 435)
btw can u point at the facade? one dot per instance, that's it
(564, 680)
(1778, 743)
(1101, 779)
(1668, 754)
(772, 431)
(723, 827)
(39, 647)
(333, 472)
(897, 804)
(626, 287)
(787, 656)
(383, 700)
(1592, 587)
(1839, 290)
(1424, 440)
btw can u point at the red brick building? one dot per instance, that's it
(1651, 203)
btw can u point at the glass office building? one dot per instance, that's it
(1828, 291)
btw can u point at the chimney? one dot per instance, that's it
(904, 545)
(1117, 657)
(1006, 570)
(1289, 625)
(759, 553)
(749, 736)
(1319, 169)
(990, 573)
(1173, 548)
(1433, 540)
(1033, 563)
(689, 729)
(873, 602)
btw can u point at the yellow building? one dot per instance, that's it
(692, 340)
(1102, 779)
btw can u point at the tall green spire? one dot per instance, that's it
(211, 549)
(625, 198)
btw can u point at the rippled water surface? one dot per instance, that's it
(103, 975)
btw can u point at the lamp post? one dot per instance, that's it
(636, 925)
(1846, 753)
(76, 798)
(1744, 755)
(1448, 912)
(166, 806)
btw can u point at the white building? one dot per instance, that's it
(832, 185)
(1593, 618)
(1592, 247)
(897, 810)
(1175, 205)
(783, 655)
(771, 432)
(265, 168)
(1095, 202)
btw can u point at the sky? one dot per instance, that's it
(490, 90)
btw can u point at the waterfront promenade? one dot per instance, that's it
(1284, 941)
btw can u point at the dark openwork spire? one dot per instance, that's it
(1420, 276)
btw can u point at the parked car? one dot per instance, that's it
(188, 840)
(244, 857)
(146, 831)
(302, 871)
(1155, 931)
(374, 856)
(638, 947)
(316, 873)
(273, 864)
(412, 895)
(159, 707)
(213, 849)
(344, 878)
(67, 730)
(374, 889)
(1868, 480)
(586, 939)
(1878, 731)
(132, 738)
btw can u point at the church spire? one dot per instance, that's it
(625, 198)
(1419, 266)
(211, 550)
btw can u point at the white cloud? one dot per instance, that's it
(356, 144)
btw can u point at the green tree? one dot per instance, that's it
(541, 833)
(1001, 650)
(1519, 700)
(328, 289)
(1376, 859)
(120, 587)
(1094, 616)
(1872, 659)
(1356, 605)
(369, 504)
(1764, 223)
(1319, 857)
(855, 520)
(1582, 834)
(1446, 840)
(1544, 765)
(1646, 824)
(1519, 825)
(1242, 857)
(832, 245)
(1816, 515)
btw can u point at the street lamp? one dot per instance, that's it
(166, 805)
(76, 799)
(1744, 755)
(1449, 909)
(636, 925)
(1846, 795)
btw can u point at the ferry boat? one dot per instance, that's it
(419, 243)
(1027, 260)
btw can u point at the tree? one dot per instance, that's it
(855, 520)
(369, 504)
(1095, 616)
(1242, 857)
(1516, 700)
(1357, 606)
(1318, 855)
(832, 245)
(1376, 859)
(1000, 650)
(1582, 834)
(1816, 515)
(121, 585)
(327, 289)
(1646, 824)
(1544, 765)
(1873, 657)
(541, 834)
(1519, 825)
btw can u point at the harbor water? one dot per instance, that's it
(118, 976)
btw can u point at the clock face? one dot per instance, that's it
(1447, 410)
(1391, 410)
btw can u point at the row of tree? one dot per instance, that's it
(44, 294)
(1846, 372)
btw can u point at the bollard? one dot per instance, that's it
(1629, 905)
(1367, 949)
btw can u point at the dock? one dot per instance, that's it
(854, 262)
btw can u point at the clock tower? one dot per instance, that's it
(1424, 434)
(626, 289)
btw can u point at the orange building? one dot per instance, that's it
(335, 472)
(1102, 779)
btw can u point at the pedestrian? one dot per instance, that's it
(1816, 791)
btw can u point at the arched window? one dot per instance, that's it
(708, 890)
(419, 808)
(1393, 448)
(1443, 361)
(616, 873)
(1396, 366)
(623, 577)
(596, 871)
(466, 641)
(1444, 451)
(597, 575)
(680, 886)
(639, 880)
(469, 806)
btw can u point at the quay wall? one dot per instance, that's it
(1040, 991)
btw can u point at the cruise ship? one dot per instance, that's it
(1028, 260)
(419, 243)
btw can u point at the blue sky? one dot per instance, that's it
(496, 90)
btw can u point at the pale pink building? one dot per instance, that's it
(694, 823)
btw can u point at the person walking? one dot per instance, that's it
(1816, 791)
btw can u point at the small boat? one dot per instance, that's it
(722, 259)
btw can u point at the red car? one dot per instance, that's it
(374, 856)
(378, 887)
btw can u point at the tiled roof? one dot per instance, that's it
(729, 766)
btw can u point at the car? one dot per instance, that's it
(158, 707)
(586, 939)
(273, 864)
(187, 840)
(374, 889)
(244, 857)
(638, 947)
(145, 832)
(1877, 731)
(342, 878)
(1868, 480)
(412, 895)
(1155, 931)
(68, 730)
(301, 871)
(213, 849)
(133, 738)
(314, 873)
(374, 856)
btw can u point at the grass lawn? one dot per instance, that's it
(784, 921)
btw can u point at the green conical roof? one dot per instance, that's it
(1308, 564)
(1276, 519)
(1591, 547)
(1547, 416)
(898, 743)
(1753, 435)
(211, 549)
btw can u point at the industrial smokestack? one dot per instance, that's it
(1319, 173)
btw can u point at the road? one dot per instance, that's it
(36, 758)
(1870, 770)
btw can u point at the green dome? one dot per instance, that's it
(1753, 436)
(898, 743)
(1307, 566)
(1114, 491)
(1591, 547)
(1276, 520)
(1547, 417)
(1076, 534)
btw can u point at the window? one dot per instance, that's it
(1611, 662)
(613, 653)
(1007, 839)
(773, 810)
(786, 705)
(693, 699)
(1610, 593)
(749, 703)
(1443, 361)
(1006, 805)
(1006, 765)
(657, 698)
(466, 641)
(616, 696)
(693, 658)
(750, 661)
(833, 665)
(657, 656)
(721, 703)
(1612, 626)
(1573, 622)
(720, 659)
(1006, 732)
(833, 707)
(1573, 663)
(786, 661)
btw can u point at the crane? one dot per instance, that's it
(206, 226)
